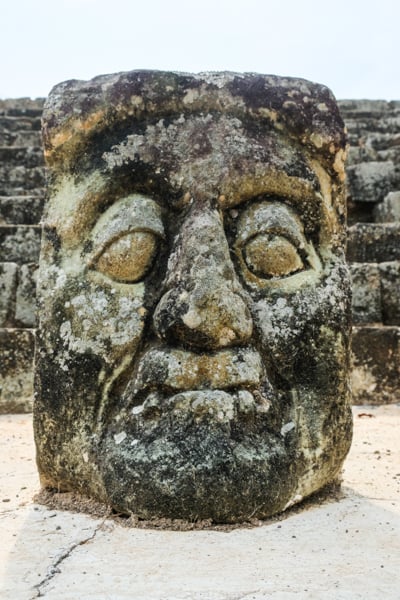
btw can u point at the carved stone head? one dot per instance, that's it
(193, 343)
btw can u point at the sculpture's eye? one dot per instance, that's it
(269, 255)
(128, 258)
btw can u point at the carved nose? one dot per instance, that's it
(204, 305)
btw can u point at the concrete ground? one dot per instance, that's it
(332, 550)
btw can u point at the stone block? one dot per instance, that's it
(375, 365)
(19, 243)
(370, 181)
(18, 124)
(27, 156)
(388, 211)
(25, 301)
(361, 109)
(21, 107)
(366, 301)
(30, 138)
(16, 370)
(390, 290)
(194, 334)
(20, 210)
(8, 286)
(20, 180)
(373, 242)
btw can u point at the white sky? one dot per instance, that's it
(350, 45)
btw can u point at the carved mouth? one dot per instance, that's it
(219, 405)
(174, 370)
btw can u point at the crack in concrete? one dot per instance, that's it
(53, 569)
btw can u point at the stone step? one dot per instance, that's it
(367, 108)
(388, 124)
(16, 124)
(388, 211)
(8, 290)
(29, 157)
(375, 372)
(25, 139)
(16, 370)
(16, 107)
(19, 243)
(21, 181)
(371, 181)
(376, 293)
(18, 294)
(373, 242)
(21, 210)
(365, 153)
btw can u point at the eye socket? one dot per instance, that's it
(128, 258)
(269, 255)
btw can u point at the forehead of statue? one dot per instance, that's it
(207, 157)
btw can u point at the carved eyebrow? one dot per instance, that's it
(269, 182)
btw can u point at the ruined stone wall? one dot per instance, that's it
(21, 203)
(373, 173)
(373, 246)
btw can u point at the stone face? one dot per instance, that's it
(16, 376)
(194, 302)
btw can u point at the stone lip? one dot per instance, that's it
(182, 370)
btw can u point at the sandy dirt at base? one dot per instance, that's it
(345, 546)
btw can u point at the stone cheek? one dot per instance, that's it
(194, 337)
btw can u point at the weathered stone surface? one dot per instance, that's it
(366, 303)
(194, 301)
(20, 210)
(390, 286)
(26, 156)
(373, 242)
(21, 180)
(8, 286)
(22, 107)
(20, 244)
(15, 125)
(388, 211)
(376, 365)
(29, 138)
(25, 301)
(16, 375)
(370, 181)
(373, 130)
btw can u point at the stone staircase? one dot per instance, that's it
(373, 174)
(21, 204)
(373, 246)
